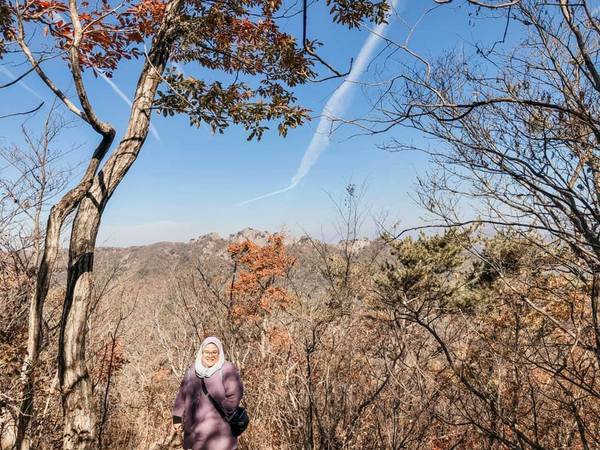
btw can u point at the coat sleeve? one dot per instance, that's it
(179, 404)
(234, 389)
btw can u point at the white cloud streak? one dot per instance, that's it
(21, 83)
(112, 84)
(335, 107)
(126, 99)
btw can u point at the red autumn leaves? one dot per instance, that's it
(110, 32)
(115, 31)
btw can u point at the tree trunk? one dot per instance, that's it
(76, 386)
(595, 301)
(311, 406)
(45, 265)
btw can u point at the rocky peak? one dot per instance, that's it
(356, 244)
(257, 236)
(207, 237)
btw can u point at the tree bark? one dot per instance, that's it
(45, 265)
(77, 393)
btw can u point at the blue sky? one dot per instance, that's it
(187, 182)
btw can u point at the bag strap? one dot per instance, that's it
(215, 403)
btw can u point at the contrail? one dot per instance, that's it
(115, 88)
(335, 107)
(270, 194)
(111, 83)
(21, 83)
(126, 99)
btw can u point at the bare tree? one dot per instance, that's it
(32, 176)
(512, 132)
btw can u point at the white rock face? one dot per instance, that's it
(356, 245)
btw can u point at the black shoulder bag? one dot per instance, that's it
(239, 419)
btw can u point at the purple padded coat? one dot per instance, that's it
(203, 426)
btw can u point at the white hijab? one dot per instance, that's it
(205, 372)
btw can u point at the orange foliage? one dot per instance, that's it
(258, 268)
(280, 339)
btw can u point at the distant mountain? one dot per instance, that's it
(158, 263)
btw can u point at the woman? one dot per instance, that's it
(204, 427)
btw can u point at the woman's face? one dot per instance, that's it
(210, 355)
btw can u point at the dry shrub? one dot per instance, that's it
(445, 341)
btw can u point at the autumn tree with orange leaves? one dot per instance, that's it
(233, 37)
(254, 291)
